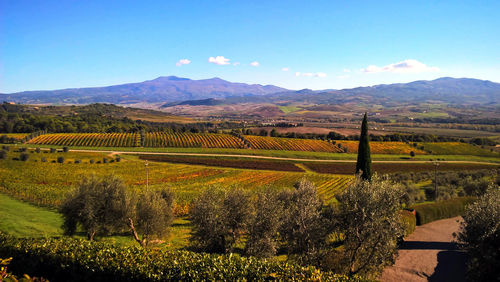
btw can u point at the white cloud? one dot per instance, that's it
(311, 74)
(254, 64)
(346, 70)
(285, 69)
(406, 66)
(236, 64)
(219, 60)
(183, 62)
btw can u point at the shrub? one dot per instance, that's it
(118, 159)
(77, 161)
(60, 160)
(3, 155)
(443, 209)
(44, 159)
(409, 221)
(412, 154)
(104, 160)
(24, 157)
(92, 161)
(37, 150)
(79, 260)
(480, 237)
(65, 149)
(23, 149)
(53, 150)
(5, 148)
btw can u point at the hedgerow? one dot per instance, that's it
(68, 259)
(443, 209)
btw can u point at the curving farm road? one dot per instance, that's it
(429, 254)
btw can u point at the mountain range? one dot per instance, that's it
(172, 90)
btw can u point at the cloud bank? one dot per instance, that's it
(406, 66)
(219, 60)
(285, 69)
(183, 62)
(254, 64)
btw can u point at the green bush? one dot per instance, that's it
(24, 157)
(409, 221)
(60, 160)
(65, 149)
(76, 259)
(443, 209)
(3, 155)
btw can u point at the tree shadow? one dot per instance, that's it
(451, 266)
(427, 245)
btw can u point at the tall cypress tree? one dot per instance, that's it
(364, 162)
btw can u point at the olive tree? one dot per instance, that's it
(368, 217)
(153, 216)
(304, 228)
(263, 228)
(219, 219)
(479, 235)
(99, 206)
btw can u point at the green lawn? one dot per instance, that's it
(22, 219)
(25, 220)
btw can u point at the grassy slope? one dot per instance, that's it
(23, 219)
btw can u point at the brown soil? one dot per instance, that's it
(429, 254)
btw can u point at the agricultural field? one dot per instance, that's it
(291, 144)
(457, 148)
(89, 139)
(16, 136)
(190, 140)
(47, 183)
(226, 162)
(388, 167)
(376, 147)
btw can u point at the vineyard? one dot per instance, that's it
(89, 139)
(291, 144)
(46, 183)
(377, 147)
(190, 140)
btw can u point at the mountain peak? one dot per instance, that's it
(170, 78)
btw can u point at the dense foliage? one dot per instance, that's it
(480, 236)
(79, 260)
(443, 209)
(364, 162)
(370, 220)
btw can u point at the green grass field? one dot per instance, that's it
(25, 220)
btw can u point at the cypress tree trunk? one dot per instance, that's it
(364, 163)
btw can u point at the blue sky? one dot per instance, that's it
(323, 44)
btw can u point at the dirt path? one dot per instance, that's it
(429, 255)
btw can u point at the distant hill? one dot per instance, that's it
(159, 90)
(171, 91)
(457, 91)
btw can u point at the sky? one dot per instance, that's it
(293, 44)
